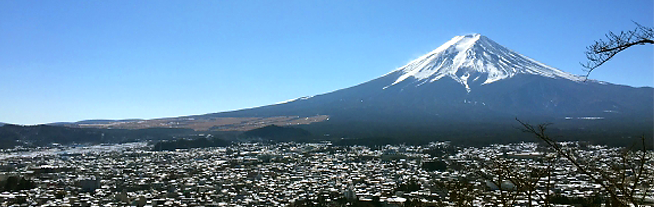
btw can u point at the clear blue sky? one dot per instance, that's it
(76, 60)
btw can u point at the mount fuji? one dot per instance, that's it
(470, 83)
(474, 83)
(472, 71)
(470, 86)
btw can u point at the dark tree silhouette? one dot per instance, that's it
(603, 50)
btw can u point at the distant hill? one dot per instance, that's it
(44, 134)
(40, 135)
(198, 123)
(95, 121)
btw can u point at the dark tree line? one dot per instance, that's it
(279, 133)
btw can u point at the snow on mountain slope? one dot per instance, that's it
(474, 58)
(295, 99)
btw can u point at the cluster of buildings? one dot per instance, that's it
(255, 174)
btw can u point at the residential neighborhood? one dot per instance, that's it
(301, 174)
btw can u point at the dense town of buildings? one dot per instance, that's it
(281, 174)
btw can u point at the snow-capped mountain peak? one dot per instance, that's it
(474, 58)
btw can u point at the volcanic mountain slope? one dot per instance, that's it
(470, 79)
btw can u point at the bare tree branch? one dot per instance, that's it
(602, 51)
(605, 181)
